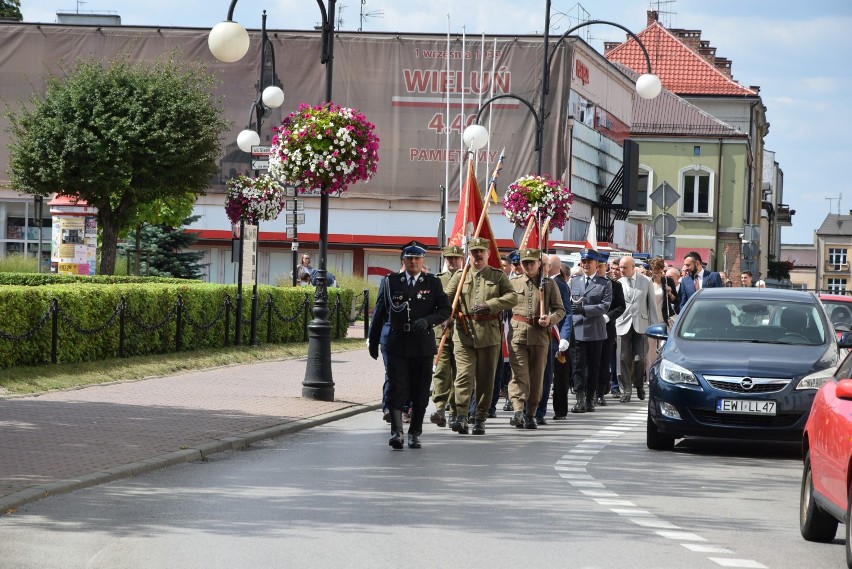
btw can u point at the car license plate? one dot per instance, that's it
(745, 406)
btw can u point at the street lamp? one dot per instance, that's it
(318, 383)
(648, 85)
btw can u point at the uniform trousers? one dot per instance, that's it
(631, 348)
(561, 383)
(444, 378)
(604, 372)
(527, 376)
(475, 369)
(585, 359)
(409, 381)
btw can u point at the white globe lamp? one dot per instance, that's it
(475, 136)
(273, 97)
(246, 139)
(648, 86)
(228, 41)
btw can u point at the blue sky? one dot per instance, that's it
(797, 52)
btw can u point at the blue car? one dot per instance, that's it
(740, 363)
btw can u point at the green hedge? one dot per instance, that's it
(85, 331)
(42, 279)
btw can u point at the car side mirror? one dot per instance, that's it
(659, 332)
(844, 389)
(845, 340)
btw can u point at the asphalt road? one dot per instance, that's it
(585, 493)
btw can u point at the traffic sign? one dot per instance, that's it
(294, 246)
(261, 150)
(290, 191)
(664, 196)
(294, 205)
(257, 164)
(663, 247)
(665, 224)
(291, 233)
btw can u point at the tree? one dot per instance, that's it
(11, 9)
(126, 138)
(164, 249)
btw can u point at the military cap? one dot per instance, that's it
(530, 255)
(590, 254)
(414, 249)
(514, 257)
(478, 243)
(453, 251)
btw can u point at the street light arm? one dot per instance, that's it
(231, 10)
(508, 96)
(325, 56)
(589, 23)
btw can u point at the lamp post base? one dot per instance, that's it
(318, 383)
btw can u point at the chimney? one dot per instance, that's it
(652, 17)
(610, 45)
(723, 64)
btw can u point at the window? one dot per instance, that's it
(696, 193)
(836, 285)
(643, 205)
(837, 257)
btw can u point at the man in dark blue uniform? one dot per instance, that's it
(414, 302)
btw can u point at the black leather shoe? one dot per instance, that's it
(492, 414)
(625, 399)
(454, 424)
(439, 418)
(590, 406)
(462, 424)
(517, 419)
(540, 421)
(640, 393)
(396, 440)
(507, 406)
(579, 407)
(601, 402)
(529, 422)
(478, 427)
(560, 417)
(386, 417)
(413, 441)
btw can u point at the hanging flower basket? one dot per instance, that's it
(254, 199)
(324, 148)
(550, 196)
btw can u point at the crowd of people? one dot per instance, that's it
(473, 334)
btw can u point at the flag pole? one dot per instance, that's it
(482, 219)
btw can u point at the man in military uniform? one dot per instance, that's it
(414, 302)
(530, 345)
(445, 368)
(591, 296)
(483, 294)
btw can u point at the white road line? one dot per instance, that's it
(702, 548)
(748, 563)
(680, 535)
(630, 512)
(653, 523)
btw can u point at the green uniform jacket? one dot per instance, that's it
(489, 286)
(444, 277)
(529, 306)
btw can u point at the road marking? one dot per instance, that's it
(572, 468)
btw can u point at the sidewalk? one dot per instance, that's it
(62, 441)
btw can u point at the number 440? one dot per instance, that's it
(440, 127)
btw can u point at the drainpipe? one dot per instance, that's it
(718, 206)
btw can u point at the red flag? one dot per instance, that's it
(532, 241)
(467, 218)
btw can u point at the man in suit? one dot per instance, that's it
(696, 278)
(557, 373)
(414, 302)
(485, 292)
(591, 296)
(640, 312)
(616, 309)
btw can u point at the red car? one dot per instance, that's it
(827, 450)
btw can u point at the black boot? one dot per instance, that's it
(580, 406)
(396, 440)
(413, 439)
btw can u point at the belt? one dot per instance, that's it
(479, 317)
(405, 328)
(532, 320)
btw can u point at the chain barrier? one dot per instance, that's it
(31, 332)
(143, 327)
(281, 318)
(205, 326)
(89, 331)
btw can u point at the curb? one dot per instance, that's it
(11, 502)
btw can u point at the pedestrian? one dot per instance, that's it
(445, 368)
(414, 302)
(696, 278)
(640, 311)
(746, 279)
(383, 341)
(674, 277)
(515, 262)
(484, 292)
(591, 296)
(304, 268)
(530, 345)
(558, 368)
(614, 273)
(616, 309)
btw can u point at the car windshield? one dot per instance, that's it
(749, 320)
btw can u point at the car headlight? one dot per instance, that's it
(817, 379)
(673, 373)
